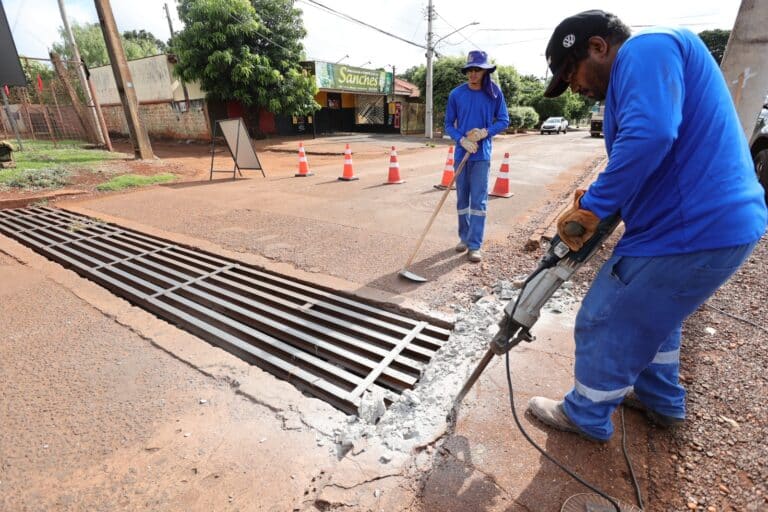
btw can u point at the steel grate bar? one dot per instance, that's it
(319, 346)
(382, 367)
(303, 299)
(295, 319)
(330, 345)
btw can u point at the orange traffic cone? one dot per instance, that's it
(303, 163)
(501, 187)
(447, 172)
(348, 174)
(394, 169)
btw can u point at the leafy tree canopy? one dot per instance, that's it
(509, 82)
(716, 40)
(93, 49)
(32, 69)
(146, 40)
(249, 51)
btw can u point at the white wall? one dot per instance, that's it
(745, 63)
(152, 78)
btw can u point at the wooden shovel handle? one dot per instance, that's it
(437, 209)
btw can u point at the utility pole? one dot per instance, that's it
(168, 15)
(141, 147)
(81, 75)
(170, 27)
(430, 52)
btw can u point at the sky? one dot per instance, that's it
(513, 33)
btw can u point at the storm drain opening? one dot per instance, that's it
(330, 345)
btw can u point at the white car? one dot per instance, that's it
(554, 125)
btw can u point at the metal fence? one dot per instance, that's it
(51, 107)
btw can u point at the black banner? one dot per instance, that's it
(10, 66)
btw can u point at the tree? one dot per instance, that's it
(417, 75)
(93, 49)
(146, 40)
(509, 82)
(33, 69)
(716, 40)
(249, 52)
(531, 88)
(446, 74)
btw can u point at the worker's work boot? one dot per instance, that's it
(551, 412)
(475, 255)
(658, 419)
(461, 246)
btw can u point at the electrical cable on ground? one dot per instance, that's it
(735, 317)
(629, 461)
(539, 448)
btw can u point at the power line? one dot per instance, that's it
(259, 33)
(454, 28)
(346, 17)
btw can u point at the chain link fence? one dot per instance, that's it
(52, 107)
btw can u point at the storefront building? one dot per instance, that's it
(353, 99)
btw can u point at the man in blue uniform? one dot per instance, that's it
(476, 112)
(680, 175)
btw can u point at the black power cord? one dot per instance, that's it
(547, 264)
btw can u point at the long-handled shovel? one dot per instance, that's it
(407, 273)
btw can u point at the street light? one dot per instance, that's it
(364, 64)
(341, 59)
(430, 52)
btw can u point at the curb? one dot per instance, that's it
(22, 202)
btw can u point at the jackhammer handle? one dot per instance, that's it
(573, 228)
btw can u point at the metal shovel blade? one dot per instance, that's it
(407, 274)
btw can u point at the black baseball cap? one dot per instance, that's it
(570, 35)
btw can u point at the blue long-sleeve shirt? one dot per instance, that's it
(679, 169)
(469, 109)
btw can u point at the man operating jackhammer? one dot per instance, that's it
(680, 175)
(476, 112)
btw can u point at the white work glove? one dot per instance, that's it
(469, 145)
(476, 134)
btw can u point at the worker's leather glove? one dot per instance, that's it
(573, 237)
(476, 134)
(469, 145)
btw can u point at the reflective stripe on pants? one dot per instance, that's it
(472, 201)
(628, 332)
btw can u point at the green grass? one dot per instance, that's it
(42, 165)
(133, 180)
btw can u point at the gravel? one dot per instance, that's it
(718, 460)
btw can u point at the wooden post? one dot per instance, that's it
(58, 110)
(100, 115)
(25, 109)
(142, 149)
(79, 109)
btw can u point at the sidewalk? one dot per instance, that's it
(360, 143)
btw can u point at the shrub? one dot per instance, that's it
(39, 178)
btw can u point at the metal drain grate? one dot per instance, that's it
(329, 345)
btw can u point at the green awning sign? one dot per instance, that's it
(347, 78)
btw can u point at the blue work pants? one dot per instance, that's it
(472, 201)
(628, 332)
